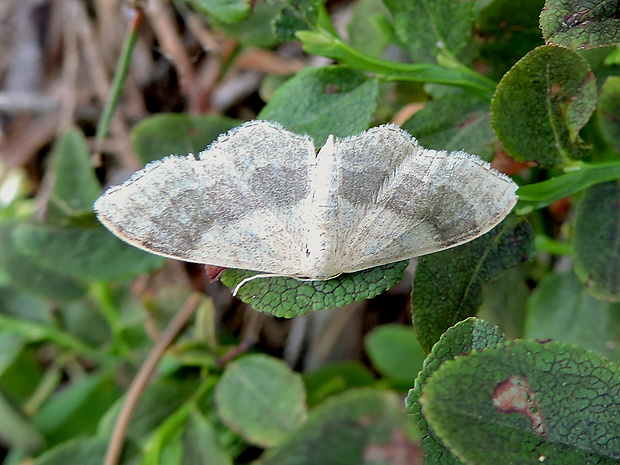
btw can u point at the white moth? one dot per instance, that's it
(261, 198)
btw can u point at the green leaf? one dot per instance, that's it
(453, 73)
(455, 122)
(394, 351)
(287, 23)
(335, 378)
(22, 372)
(27, 275)
(37, 332)
(447, 287)
(15, 428)
(76, 410)
(541, 194)
(171, 453)
(561, 308)
(200, 444)
(359, 426)
(609, 111)
(83, 319)
(288, 297)
(166, 134)
(527, 402)
(75, 185)
(430, 28)
(165, 444)
(505, 299)
(160, 400)
(508, 30)
(579, 24)
(226, 11)
(541, 104)
(461, 339)
(25, 306)
(257, 29)
(85, 451)
(367, 29)
(298, 16)
(597, 240)
(10, 347)
(83, 253)
(261, 398)
(324, 101)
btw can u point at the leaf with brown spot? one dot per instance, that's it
(577, 393)
(461, 339)
(581, 24)
(541, 104)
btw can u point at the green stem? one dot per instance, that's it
(35, 332)
(325, 44)
(541, 194)
(553, 246)
(152, 449)
(122, 68)
(48, 384)
(105, 302)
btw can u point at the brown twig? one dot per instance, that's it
(141, 380)
(249, 336)
(70, 70)
(100, 79)
(164, 26)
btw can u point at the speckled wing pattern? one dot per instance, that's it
(260, 198)
(237, 206)
(410, 200)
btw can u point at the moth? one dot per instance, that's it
(262, 198)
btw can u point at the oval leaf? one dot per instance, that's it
(432, 28)
(83, 253)
(77, 409)
(26, 274)
(561, 308)
(331, 100)
(597, 240)
(455, 122)
(261, 398)
(75, 185)
(165, 134)
(464, 337)
(394, 351)
(541, 104)
(579, 24)
(357, 427)
(447, 287)
(297, 16)
(527, 402)
(289, 297)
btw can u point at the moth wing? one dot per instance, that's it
(237, 206)
(401, 201)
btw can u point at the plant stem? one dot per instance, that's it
(325, 44)
(122, 68)
(103, 297)
(34, 332)
(144, 375)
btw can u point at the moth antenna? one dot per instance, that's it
(275, 275)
